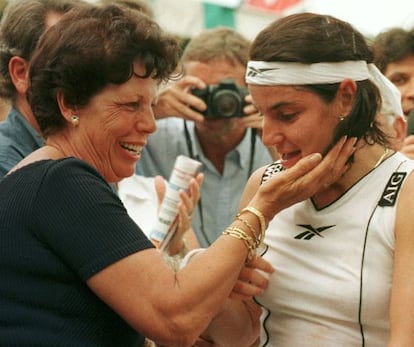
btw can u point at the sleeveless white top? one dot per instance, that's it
(333, 277)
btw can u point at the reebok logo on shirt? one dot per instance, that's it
(311, 231)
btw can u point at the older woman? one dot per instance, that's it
(75, 269)
(344, 258)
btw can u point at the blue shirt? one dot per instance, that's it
(220, 193)
(17, 140)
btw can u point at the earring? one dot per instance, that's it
(341, 118)
(74, 119)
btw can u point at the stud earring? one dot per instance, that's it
(341, 118)
(74, 120)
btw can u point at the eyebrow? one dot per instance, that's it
(280, 104)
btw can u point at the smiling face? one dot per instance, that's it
(297, 122)
(114, 126)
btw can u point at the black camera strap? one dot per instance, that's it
(189, 143)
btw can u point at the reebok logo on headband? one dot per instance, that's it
(292, 73)
(252, 72)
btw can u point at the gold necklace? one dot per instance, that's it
(380, 160)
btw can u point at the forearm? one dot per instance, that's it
(238, 324)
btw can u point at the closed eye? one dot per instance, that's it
(287, 117)
(131, 106)
(398, 80)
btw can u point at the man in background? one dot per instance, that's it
(228, 146)
(22, 24)
(394, 56)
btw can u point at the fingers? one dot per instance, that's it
(253, 279)
(190, 198)
(313, 169)
(260, 264)
(188, 201)
(184, 220)
(160, 187)
(200, 179)
(308, 176)
(176, 100)
(334, 164)
(254, 120)
(190, 81)
(252, 117)
(245, 291)
(186, 205)
(194, 192)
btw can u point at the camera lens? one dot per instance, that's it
(227, 104)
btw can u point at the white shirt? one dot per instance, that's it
(140, 200)
(334, 266)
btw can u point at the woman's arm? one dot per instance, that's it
(173, 309)
(238, 323)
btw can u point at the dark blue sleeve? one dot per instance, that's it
(82, 220)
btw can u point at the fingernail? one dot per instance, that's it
(316, 157)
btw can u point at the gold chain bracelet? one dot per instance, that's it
(260, 217)
(249, 242)
(252, 230)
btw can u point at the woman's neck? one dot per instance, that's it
(366, 158)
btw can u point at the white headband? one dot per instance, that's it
(288, 73)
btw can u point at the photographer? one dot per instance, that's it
(228, 146)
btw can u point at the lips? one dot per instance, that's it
(134, 149)
(290, 158)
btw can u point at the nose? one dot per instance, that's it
(146, 122)
(410, 89)
(270, 134)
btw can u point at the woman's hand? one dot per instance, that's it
(252, 117)
(176, 100)
(189, 200)
(304, 179)
(253, 279)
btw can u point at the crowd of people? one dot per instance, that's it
(295, 231)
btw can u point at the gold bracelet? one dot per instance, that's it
(259, 216)
(248, 241)
(252, 230)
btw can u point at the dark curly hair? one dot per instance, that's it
(89, 48)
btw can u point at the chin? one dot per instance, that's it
(119, 176)
(127, 173)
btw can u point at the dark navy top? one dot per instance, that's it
(61, 223)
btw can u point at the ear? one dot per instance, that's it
(19, 73)
(400, 128)
(66, 111)
(346, 94)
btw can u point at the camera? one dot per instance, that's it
(223, 100)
